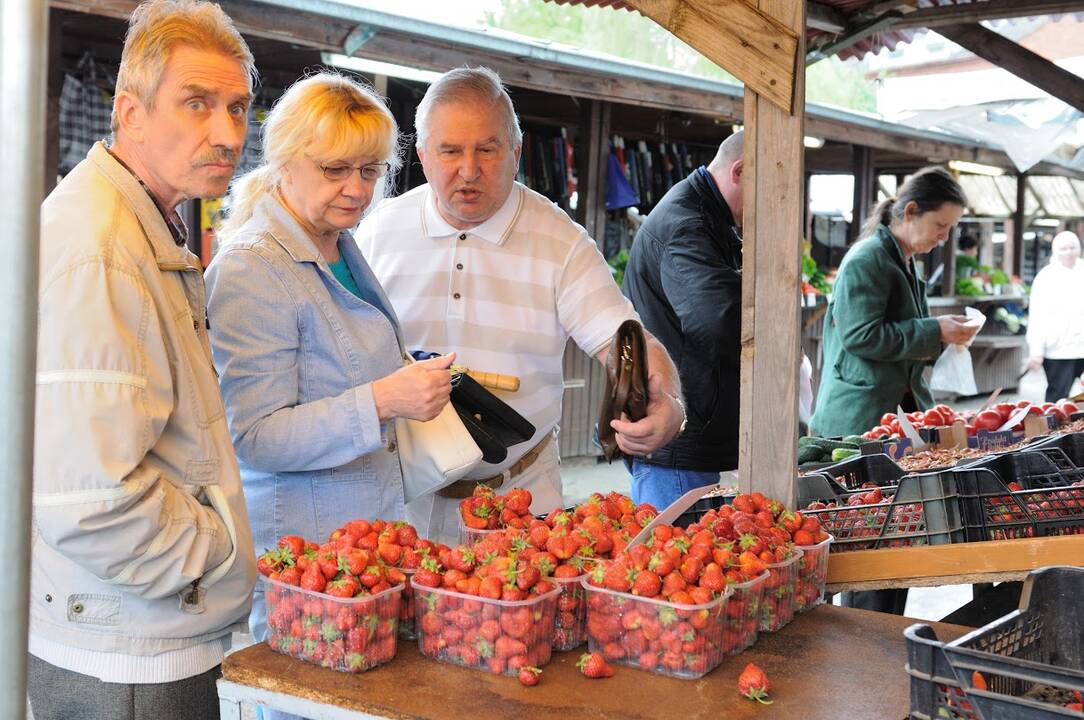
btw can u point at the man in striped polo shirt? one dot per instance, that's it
(476, 263)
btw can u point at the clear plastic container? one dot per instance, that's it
(812, 575)
(344, 634)
(570, 627)
(743, 614)
(777, 603)
(469, 536)
(495, 635)
(681, 641)
(406, 607)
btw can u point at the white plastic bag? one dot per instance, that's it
(953, 371)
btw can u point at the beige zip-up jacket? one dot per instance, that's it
(141, 540)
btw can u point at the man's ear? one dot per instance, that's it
(421, 153)
(736, 171)
(516, 152)
(131, 115)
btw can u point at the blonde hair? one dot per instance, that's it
(328, 117)
(157, 27)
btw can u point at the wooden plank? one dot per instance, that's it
(945, 562)
(936, 17)
(771, 276)
(1018, 60)
(753, 45)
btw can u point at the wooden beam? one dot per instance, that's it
(736, 36)
(935, 17)
(771, 277)
(593, 153)
(946, 562)
(851, 36)
(824, 18)
(1018, 60)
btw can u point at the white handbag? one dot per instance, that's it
(434, 454)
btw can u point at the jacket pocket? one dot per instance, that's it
(855, 371)
(94, 609)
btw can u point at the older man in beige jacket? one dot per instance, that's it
(142, 562)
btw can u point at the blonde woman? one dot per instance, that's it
(305, 341)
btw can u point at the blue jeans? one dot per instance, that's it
(661, 486)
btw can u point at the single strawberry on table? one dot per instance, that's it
(593, 665)
(529, 676)
(753, 684)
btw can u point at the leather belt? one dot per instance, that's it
(465, 488)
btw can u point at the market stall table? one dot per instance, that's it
(829, 663)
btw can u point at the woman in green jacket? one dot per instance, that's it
(878, 334)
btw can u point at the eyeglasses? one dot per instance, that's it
(370, 172)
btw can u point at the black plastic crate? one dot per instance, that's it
(1071, 444)
(702, 506)
(1030, 660)
(854, 472)
(924, 510)
(1032, 467)
(993, 512)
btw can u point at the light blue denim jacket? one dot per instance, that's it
(297, 353)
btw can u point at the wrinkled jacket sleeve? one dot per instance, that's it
(104, 396)
(861, 298)
(704, 292)
(256, 341)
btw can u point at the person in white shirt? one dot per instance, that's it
(478, 264)
(1055, 318)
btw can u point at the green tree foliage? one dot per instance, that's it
(631, 36)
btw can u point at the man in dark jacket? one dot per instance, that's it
(684, 279)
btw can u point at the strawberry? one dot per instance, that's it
(271, 561)
(646, 584)
(529, 676)
(753, 684)
(593, 665)
(295, 544)
(290, 576)
(313, 579)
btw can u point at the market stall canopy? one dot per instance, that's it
(852, 28)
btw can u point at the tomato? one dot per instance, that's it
(913, 416)
(894, 426)
(879, 432)
(1023, 403)
(1057, 413)
(934, 418)
(1035, 410)
(1068, 407)
(887, 418)
(970, 430)
(945, 410)
(1046, 406)
(988, 420)
(1004, 410)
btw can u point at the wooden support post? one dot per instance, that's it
(1018, 225)
(863, 190)
(592, 154)
(771, 275)
(52, 105)
(948, 274)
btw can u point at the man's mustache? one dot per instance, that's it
(219, 156)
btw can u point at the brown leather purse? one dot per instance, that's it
(626, 384)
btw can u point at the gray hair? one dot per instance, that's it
(730, 150)
(465, 83)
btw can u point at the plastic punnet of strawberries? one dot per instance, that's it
(338, 604)
(490, 606)
(577, 539)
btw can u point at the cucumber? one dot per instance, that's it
(807, 440)
(811, 453)
(830, 445)
(843, 453)
(855, 440)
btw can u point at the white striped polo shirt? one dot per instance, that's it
(505, 295)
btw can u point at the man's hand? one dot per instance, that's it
(664, 416)
(1035, 362)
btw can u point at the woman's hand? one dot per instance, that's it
(953, 330)
(418, 391)
(1035, 362)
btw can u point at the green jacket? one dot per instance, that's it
(878, 337)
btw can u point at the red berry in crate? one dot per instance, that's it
(593, 665)
(753, 684)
